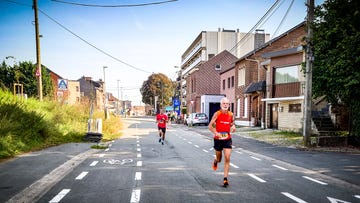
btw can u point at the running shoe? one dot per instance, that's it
(162, 143)
(160, 140)
(226, 183)
(214, 165)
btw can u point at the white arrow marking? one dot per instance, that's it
(334, 200)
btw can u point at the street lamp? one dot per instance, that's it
(118, 96)
(104, 89)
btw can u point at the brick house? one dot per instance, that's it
(92, 91)
(206, 79)
(253, 79)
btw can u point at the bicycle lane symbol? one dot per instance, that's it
(116, 162)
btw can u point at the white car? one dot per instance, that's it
(197, 119)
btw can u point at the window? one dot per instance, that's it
(286, 74)
(228, 82)
(232, 81)
(77, 88)
(294, 108)
(223, 86)
(241, 77)
(245, 107)
(238, 109)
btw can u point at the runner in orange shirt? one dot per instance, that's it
(221, 125)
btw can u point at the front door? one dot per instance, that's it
(274, 116)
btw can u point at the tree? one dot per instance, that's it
(336, 42)
(157, 85)
(24, 73)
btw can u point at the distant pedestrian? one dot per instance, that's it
(161, 120)
(221, 125)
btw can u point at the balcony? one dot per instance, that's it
(293, 89)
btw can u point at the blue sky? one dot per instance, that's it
(151, 38)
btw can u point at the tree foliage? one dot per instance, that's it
(159, 85)
(336, 40)
(24, 73)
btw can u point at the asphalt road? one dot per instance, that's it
(137, 168)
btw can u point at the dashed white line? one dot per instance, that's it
(138, 176)
(238, 152)
(205, 150)
(139, 163)
(138, 145)
(314, 180)
(107, 149)
(94, 163)
(279, 167)
(59, 196)
(101, 155)
(82, 175)
(357, 196)
(296, 199)
(255, 158)
(233, 165)
(197, 146)
(135, 196)
(138, 149)
(256, 178)
(190, 142)
(138, 155)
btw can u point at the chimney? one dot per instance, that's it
(259, 38)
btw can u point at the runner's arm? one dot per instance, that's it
(212, 125)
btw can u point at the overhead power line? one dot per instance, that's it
(283, 19)
(121, 5)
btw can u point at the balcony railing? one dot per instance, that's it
(293, 89)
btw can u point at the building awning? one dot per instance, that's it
(255, 87)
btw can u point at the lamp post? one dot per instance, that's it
(118, 96)
(104, 89)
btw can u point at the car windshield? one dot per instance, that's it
(200, 115)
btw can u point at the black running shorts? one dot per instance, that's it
(219, 145)
(162, 129)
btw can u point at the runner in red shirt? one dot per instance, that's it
(161, 120)
(221, 124)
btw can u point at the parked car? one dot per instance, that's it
(197, 119)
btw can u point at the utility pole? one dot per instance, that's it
(308, 74)
(38, 61)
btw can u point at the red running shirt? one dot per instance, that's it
(223, 125)
(161, 119)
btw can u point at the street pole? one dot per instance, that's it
(308, 74)
(38, 61)
(104, 89)
(118, 98)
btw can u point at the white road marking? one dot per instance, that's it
(357, 196)
(107, 149)
(137, 140)
(190, 142)
(256, 178)
(314, 180)
(138, 176)
(197, 146)
(135, 196)
(205, 150)
(59, 196)
(296, 199)
(110, 145)
(101, 155)
(334, 200)
(82, 175)
(94, 163)
(282, 168)
(238, 152)
(138, 149)
(233, 165)
(138, 156)
(139, 163)
(255, 158)
(137, 145)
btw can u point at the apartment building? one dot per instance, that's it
(210, 43)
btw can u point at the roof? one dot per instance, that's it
(271, 41)
(255, 86)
